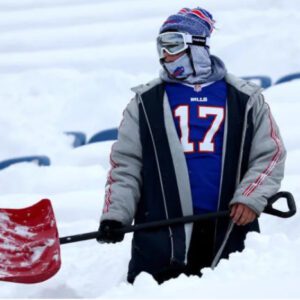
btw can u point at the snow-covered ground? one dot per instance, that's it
(68, 65)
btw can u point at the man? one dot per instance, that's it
(194, 141)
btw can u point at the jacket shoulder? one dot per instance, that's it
(142, 88)
(247, 87)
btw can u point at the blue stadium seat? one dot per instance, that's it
(105, 135)
(79, 138)
(40, 159)
(263, 81)
(288, 78)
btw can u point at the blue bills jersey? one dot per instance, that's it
(199, 114)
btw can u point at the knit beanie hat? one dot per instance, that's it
(198, 65)
(197, 21)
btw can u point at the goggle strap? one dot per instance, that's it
(200, 41)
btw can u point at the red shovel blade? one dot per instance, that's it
(29, 244)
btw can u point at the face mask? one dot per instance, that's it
(180, 68)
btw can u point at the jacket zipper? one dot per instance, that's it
(160, 178)
(231, 225)
(221, 179)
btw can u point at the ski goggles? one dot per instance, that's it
(176, 42)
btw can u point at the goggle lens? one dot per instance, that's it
(171, 42)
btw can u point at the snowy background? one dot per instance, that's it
(68, 65)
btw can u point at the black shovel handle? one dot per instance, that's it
(278, 213)
(190, 219)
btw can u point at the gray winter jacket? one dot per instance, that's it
(260, 180)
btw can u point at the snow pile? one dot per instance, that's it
(270, 274)
(68, 65)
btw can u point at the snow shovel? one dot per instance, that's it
(30, 246)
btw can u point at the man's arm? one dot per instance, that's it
(266, 167)
(122, 189)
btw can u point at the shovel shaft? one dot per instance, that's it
(190, 219)
(146, 226)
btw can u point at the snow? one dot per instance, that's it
(24, 231)
(20, 251)
(38, 251)
(68, 65)
(4, 217)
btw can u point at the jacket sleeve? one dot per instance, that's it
(122, 189)
(266, 160)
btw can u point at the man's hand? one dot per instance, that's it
(107, 233)
(241, 214)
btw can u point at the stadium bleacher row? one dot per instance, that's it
(79, 138)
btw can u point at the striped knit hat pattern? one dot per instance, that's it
(197, 21)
